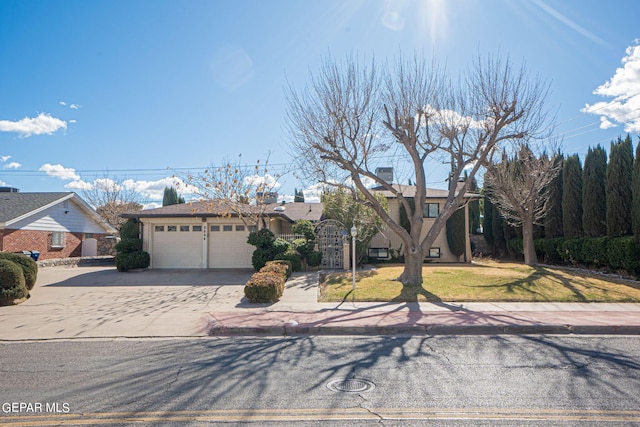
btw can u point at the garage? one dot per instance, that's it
(177, 246)
(228, 247)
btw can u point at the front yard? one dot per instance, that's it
(487, 282)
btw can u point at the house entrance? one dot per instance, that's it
(331, 236)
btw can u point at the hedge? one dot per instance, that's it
(27, 264)
(619, 253)
(12, 283)
(264, 286)
(132, 260)
(280, 266)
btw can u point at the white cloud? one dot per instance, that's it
(12, 165)
(73, 121)
(624, 88)
(62, 103)
(43, 124)
(79, 185)
(268, 182)
(313, 194)
(59, 171)
(74, 106)
(4, 158)
(154, 190)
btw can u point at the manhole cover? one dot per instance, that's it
(351, 386)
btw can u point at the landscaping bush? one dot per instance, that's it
(264, 287)
(27, 264)
(287, 264)
(571, 251)
(595, 251)
(552, 250)
(622, 253)
(129, 245)
(132, 260)
(292, 256)
(130, 230)
(12, 283)
(267, 247)
(314, 259)
(516, 247)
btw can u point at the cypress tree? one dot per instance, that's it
(572, 197)
(553, 218)
(619, 179)
(499, 242)
(636, 194)
(171, 197)
(487, 220)
(594, 201)
(299, 196)
(456, 233)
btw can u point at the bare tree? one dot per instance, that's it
(236, 190)
(519, 188)
(351, 114)
(112, 197)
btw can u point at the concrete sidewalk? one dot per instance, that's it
(99, 302)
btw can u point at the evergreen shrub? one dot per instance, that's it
(292, 256)
(27, 264)
(264, 287)
(12, 282)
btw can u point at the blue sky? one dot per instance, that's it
(136, 90)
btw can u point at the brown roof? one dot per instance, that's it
(215, 208)
(410, 191)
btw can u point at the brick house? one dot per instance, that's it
(58, 225)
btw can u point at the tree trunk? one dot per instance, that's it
(412, 274)
(529, 249)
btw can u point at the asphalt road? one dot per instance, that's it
(458, 380)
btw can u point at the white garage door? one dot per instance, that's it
(228, 247)
(177, 246)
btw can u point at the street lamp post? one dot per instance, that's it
(354, 233)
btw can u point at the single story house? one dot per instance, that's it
(387, 244)
(208, 235)
(57, 225)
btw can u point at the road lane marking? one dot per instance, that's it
(335, 414)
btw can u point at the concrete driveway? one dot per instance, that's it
(94, 302)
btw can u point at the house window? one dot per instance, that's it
(253, 229)
(431, 210)
(215, 228)
(88, 235)
(240, 228)
(380, 253)
(434, 253)
(172, 228)
(159, 228)
(184, 228)
(197, 228)
(227, 228)
(57, 239)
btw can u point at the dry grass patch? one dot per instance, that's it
(481, 283)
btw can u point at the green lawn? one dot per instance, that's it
(490, 281)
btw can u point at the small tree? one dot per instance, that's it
(619, 180)
(237, 190)
(572, 197)
(519, 188)
(298, 196)
(487, 220)
(111, 197)
(474, 209)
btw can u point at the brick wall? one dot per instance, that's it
(30, 240)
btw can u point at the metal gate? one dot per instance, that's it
(331, 235)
